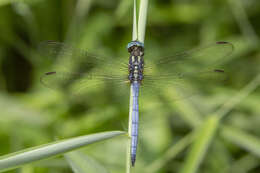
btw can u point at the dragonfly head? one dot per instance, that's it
(136, 48)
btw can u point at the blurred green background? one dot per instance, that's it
(32, 114)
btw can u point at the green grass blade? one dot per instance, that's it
(82, 8)
(171, 153)
(128, 148)
(16, 111)
(186, 110)
(6, 2)
(233, 101)
(81, 163)
(242, 20)
(134, 34)
(123, 9)
(200, 145)
(209, 127)
(242, 139)
(142, 20)
(244, 165)
(18, 159)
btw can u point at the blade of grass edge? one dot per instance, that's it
(198, 149)
(233, 101)
(171, 153)
(244, 140)
(244, 164)
(29, 155)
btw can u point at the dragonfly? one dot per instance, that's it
(86, 70)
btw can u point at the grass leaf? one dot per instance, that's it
(171, 153)
(242, 139)
(6, 2)
(18, 159)
(142, 20)
(200, 145)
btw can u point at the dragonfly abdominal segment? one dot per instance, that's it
(136, 62)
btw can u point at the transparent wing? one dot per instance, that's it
(76, 70)
(185, 84)
(69, 58)
(194, 60)
(77, 84)
(182, 70)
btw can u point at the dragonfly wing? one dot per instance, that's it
(195, 60)
(70, 58)
(184, 70)
(185, 84)
(76, 70)
(76, 83)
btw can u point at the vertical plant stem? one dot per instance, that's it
(134, 37)
(128, 154)
(142, 20)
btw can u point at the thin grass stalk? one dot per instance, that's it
(171, 153)
(128, 154)
(134, 36)
(242, 20)
(242, 139)
(142, 20)
(205, 134)
(233, 101)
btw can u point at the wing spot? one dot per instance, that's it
(50, 73)
(221, 42)
(219, 71)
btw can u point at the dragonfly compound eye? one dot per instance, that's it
(135, 43)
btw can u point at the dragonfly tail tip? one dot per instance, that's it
(133, 160)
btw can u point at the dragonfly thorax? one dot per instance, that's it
(136, 64)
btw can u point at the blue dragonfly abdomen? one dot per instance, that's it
(134, 120)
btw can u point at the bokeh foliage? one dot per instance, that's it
(32, 114)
